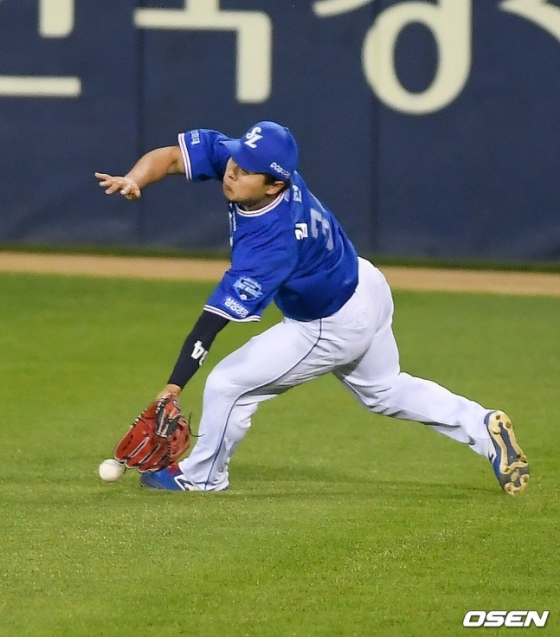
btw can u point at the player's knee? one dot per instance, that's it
(380, 398)
(236, 432)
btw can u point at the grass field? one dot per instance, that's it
(338, 523)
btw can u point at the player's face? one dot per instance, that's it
(248, 189)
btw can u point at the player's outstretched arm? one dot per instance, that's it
(151, 167)
(194, 351)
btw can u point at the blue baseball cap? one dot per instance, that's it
(267, 147)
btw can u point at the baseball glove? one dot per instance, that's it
(157, 438)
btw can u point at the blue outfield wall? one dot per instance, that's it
(431, 127)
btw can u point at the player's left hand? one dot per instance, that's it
(127, 187)
(169, 390)
(157, 438)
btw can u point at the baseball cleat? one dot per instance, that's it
(169, 479)
(508, 460)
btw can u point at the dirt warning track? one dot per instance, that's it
(405, 278)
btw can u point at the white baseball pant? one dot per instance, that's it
(357, 345)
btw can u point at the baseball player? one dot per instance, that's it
(287, 247)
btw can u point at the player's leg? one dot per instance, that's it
(377, 382)
(283, 356)
(381, 387)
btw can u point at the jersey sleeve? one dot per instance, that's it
(203, 154)
(261, 262)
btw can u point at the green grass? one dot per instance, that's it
(338, 523)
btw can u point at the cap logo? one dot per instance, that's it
(275, 166)
(253, 136)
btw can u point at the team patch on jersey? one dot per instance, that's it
(236, 307)
(247, 289)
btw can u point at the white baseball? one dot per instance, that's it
(110, 470)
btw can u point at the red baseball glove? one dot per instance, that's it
(157, 438)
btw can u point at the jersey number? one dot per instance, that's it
(318, 222)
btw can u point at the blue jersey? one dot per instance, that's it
(292, 252)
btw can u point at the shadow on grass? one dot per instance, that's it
(286, 481)
(249, 481)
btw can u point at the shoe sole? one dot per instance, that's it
(513, 469)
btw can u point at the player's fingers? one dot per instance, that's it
(104, 180)
(109, 184)
(113, 187)
(130, 190)
(126, 188)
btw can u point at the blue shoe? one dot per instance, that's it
(170, 479)
(508, 460)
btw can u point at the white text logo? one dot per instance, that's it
(509, 619)
(279, 169)
(236, 307)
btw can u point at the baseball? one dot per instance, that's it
(110, 470)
